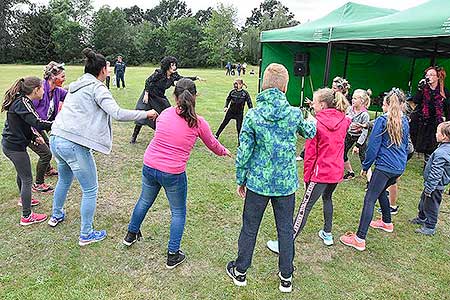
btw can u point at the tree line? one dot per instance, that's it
(37, 34)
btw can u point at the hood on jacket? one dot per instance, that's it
(84, 81)
(330, 118)
(272, 104)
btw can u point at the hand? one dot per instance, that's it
(145, 99)
(152, 114)
(227, 152)
(427, 195)
(355, 150)
(40, 140)
(241, 190)
(363, 173)
(225, 109)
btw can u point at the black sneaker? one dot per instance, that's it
(132, 237)
(394, 210)
(238, 278)
(417, 221)
(285, 284)
(175, 259)
(349, 175)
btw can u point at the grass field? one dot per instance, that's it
(40, 262)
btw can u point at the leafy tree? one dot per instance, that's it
(271, 9)
(167, 10)
(9, 25)
(134, 15)
(152, 42)
(203, 15)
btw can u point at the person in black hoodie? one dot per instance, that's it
(21, 121)
(153, 96)
(234, 106)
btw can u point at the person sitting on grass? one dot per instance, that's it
(266, 170)
(165, 163)
(436, 177)
(21, 117)
(388, 149)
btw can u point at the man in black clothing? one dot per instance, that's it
(119, 71)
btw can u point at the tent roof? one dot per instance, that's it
(318, 31)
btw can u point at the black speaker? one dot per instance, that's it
(301, 64)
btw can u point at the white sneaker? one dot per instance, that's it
(285, 284)
(273, 246)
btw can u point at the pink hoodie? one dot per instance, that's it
(324, 154)
(173, 141)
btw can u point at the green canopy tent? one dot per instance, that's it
(379, 65)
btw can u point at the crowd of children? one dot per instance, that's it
(266, 168)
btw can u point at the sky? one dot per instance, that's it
(304, 10)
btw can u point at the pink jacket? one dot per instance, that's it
(173, 141)
(324, 154)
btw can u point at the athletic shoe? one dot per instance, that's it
(174, 259)
(326, 237)
(131, 238)
(418, 221)
(349, 239)
(34, 202)
(285, 284)
(379, 224)
(93, 237)
(299, 158)
(51, 172)
(425, 230)
(394, 210)
(349, 175)
(55, 221)
(273, 246)
(41, 188)
(32, 219)
(239, 279)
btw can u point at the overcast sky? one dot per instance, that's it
(304, 10)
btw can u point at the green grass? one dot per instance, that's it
(46, 263)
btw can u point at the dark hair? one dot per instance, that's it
(24, 86)
(167, 61)
(185, 93)
(441, 74)
(95, 62)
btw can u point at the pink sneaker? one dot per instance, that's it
(33, 218)
(379, 224)
(34, 202)
(42, 188)
(349, 239)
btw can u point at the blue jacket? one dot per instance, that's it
(387, 157)
(437, 170)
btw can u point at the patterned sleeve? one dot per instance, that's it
(245, 150)
(306, 129)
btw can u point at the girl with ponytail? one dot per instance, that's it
(388, 149)
(21, 118)
(165, 166)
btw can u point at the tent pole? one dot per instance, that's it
(411, 74)
(302, 93)
(433, 58)
(260, 65)
(326, 75)
(345, 63)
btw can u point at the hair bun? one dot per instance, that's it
(89, 53)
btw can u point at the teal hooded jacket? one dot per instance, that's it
(265, 161)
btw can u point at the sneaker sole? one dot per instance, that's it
(237, 283)
(128, 244)
(382, 228)
(51, 224)
(31, 223)
(353, 246)
(325, 242)
(42, 192)
(35, 204)
(90, 242)
(284, 289)
(174, 266)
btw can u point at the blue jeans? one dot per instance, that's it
(378, 184)
(75, 160)
(175, 186)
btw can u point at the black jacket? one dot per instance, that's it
(20, 118)
(236, 101)
(158, 83)
(119, 68)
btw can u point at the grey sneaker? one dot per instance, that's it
(273, 246)
(426, 231)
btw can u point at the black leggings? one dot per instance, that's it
(312, 194)
(239, 117)
(22, 163)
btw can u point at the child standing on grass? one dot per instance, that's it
(324, 162)
(266, 170)
(388, 149)
(165, 166)
(234, 107)
(358, 132)
(437, 176)
(18, 134)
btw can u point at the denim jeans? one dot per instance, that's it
(378, 184)
(75, 160)
(254, 207)
(175, 186)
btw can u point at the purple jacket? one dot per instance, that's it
(47, 107)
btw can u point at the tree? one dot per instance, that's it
(250, 45)
(9, 19)
(134, 15)
(271, 9)
(167, 10)
(221, 35)
(203, 15)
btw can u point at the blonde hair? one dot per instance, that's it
(333, 99)
(342, 84)
(395, 100)
(365, 96)
(444, 127)
(275, 76)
